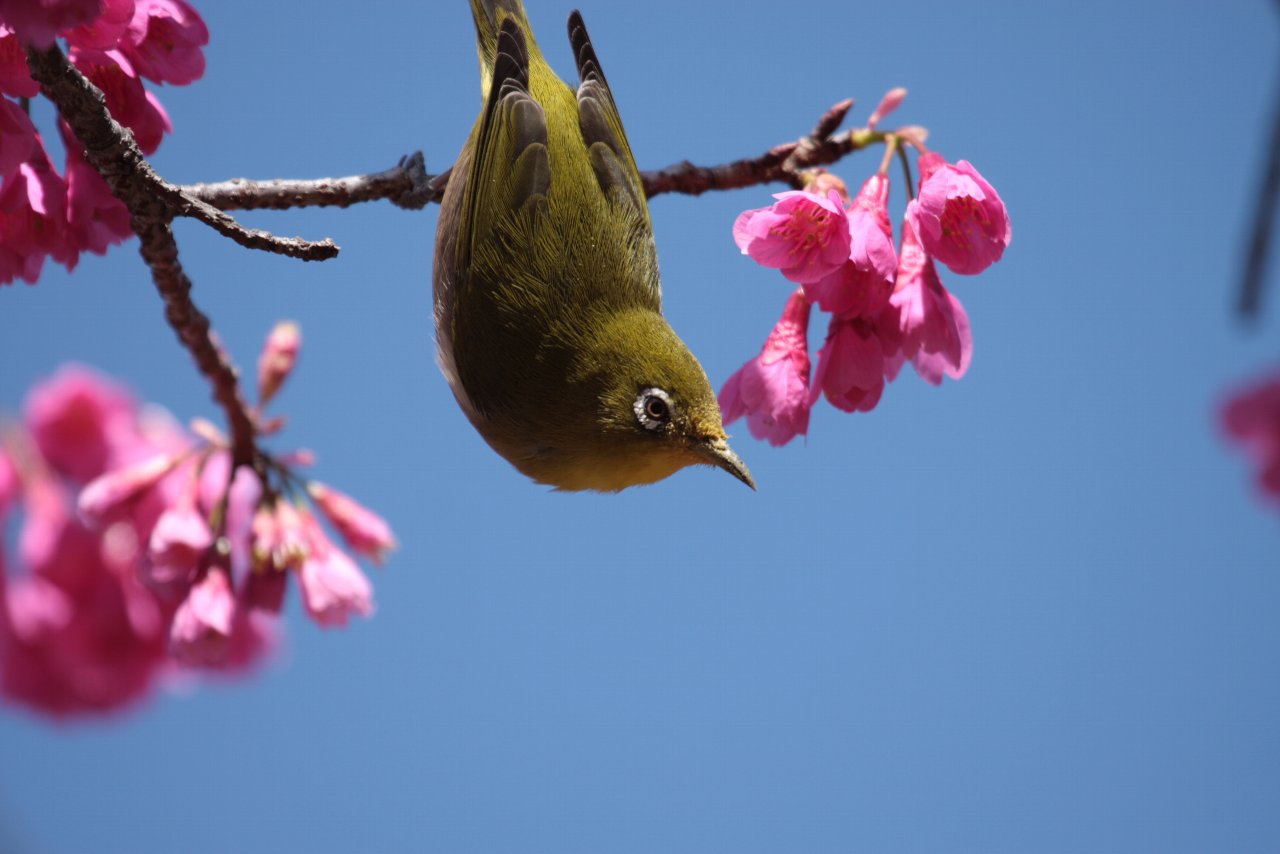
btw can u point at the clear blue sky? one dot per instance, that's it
(1037, 610)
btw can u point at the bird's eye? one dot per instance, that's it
(653, 409)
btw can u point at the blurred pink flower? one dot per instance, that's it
(178, 542)
(772, 389)
(281, 538)
(84, 635)
(32, 218)
(108, 492)
(333, 587)
(365, 531)
(960, 218)
(95, 218)
(164, 41)
(15, 78)
(932, 324)
(79, 631)
(850, 365)
(862, 284)
(17, 137)
(38, 22)
(105, 31)
(129, 102)
(804, 235)
(202, 625)
(1251, 418)
(9, 486)
(279, 355)
(79, 419)
(242, 494)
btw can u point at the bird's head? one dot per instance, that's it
(652, 410)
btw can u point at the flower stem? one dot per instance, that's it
(906, 171)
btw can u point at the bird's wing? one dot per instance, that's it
(601, 126)
(510, 166)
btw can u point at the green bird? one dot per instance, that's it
(548, 305)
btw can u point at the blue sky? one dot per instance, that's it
(1031, 611)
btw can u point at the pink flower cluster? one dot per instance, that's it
(144, 550)
(115, 43)
(1251, 418)
(888, 306)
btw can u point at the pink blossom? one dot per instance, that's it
(84, 636)
(201, 629)
(772, 389)
(265, 538)
(281, 538)
(1251, 417)
(333, 587)
(9, 486)
(109, 491)
(79, 419)
(17, 137)
(15, 77)
(178, 542)
(279, 355)
(47, 529)
(242, 494)
(79, 633)
(850, 365)
(165, 40)
(95, 218)
(32, 218)
(105, 31)
(960, 218)
(862, 284)
(804, 235)
(365, 531)
(932, 323)
(130, 104)
(38, 22)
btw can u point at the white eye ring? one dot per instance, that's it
(653, 409)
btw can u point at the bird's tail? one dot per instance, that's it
(488, 15)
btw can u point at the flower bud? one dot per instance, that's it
(279, 355)
(365, 531)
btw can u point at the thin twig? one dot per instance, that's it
(111, 150)
(408, 184)
(1258, 253)
(784, 163)
(821, 133)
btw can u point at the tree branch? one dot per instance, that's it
(408, 184)
(152, 204)
(112, 151)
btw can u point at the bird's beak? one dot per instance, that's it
(717, 452)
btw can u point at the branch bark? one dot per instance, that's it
(409, 185)
(152, 205)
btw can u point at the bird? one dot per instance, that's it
(547, 297)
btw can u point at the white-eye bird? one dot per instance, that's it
(548, 306)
